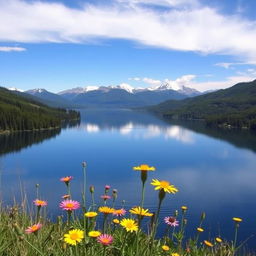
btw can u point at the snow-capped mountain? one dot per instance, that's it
(15, 89)
(125, 95)
(49, 98)
(128, 88)
(122, 95)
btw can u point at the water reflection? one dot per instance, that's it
(15, 142)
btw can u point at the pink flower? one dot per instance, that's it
(105, 239)
(119, 212)
(105, 197)
(171, 221)
(33, 229)
(107, 187)
(39, 203)
(69, 205)
(66, 179)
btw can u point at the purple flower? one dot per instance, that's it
(171, 221)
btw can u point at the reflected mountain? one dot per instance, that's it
(15, 142)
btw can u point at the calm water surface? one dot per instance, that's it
(215, 171)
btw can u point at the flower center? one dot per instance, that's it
(105, 240)
(34, 228)
(172, 220)
(74, 236)
(164, 184)
(69, 205)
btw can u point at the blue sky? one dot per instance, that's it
(63, 44)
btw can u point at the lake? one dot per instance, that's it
(214, 170)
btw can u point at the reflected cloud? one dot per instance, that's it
(144, 131)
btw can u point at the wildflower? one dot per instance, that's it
(105, 197)
(90, 214)
(200, 229)
(140, 211)
(74, 236)
(165, 247)
(69, 205)
(94, 233)
(105, 239)
(144, 167)
(171, 221)
(33, 229)
(92, 189)
(184, 208)
(66, 179)
(106, 210)
(208, 243)
(237, 219)
(119, 212)
(39, 203)
(175, 254)
(114, 194)
(218, 239)
(107, 187)
(116, 221)
(129, 224)
(66, 196)
(164, 185)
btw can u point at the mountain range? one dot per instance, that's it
(122, 95)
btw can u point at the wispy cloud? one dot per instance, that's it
(196, 28)
(12, 49)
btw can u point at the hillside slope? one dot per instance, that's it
(232, 107)
(20, 113)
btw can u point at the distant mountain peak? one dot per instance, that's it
(37, 90)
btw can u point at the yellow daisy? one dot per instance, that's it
(165, 247)
(129, 224)
(218, 239)
(237, 219)
(175, 254)
(140, 211)
(144, 167)
(184, 208)
(116, 221)
(208, 243)
(90, 214)
(94, 233)
(106, 210)
(74, 236)
(165, 185)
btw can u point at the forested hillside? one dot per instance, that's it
(20, 113)
(232, 107)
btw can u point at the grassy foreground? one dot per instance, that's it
(105, 230)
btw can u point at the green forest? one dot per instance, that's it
(18, 113)
(234, 107)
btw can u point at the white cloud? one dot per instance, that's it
(151, 81)
(197, 28)
(227, 65)
(228, 82)
(11, 49)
